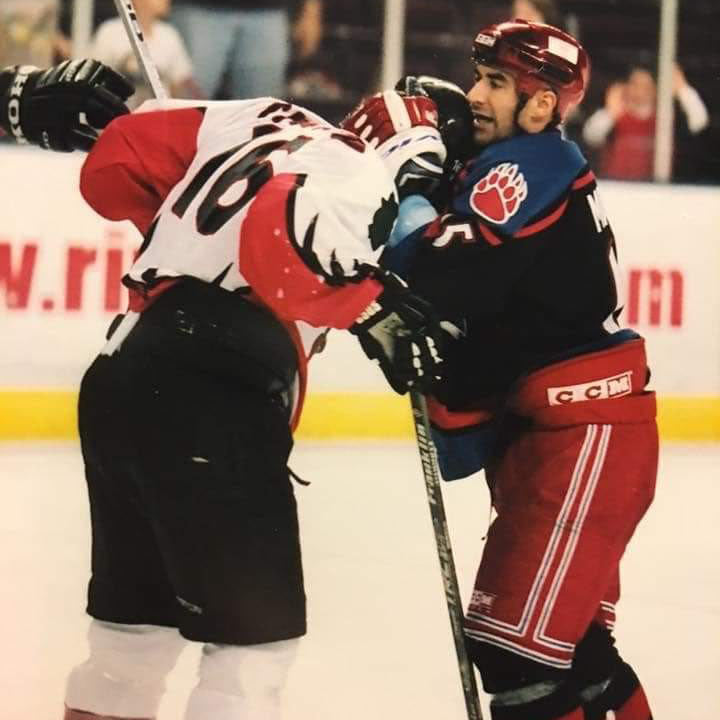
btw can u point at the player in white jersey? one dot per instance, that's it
(262, 223)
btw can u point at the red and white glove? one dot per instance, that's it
(403, 129)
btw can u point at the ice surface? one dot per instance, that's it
(379, 644)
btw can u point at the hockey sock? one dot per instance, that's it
(524, 689)
(241, 681)
(124, 677)
(623, 695)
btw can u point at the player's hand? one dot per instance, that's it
(455, 118)
(64, 107)
(404, 131)
(400, 332)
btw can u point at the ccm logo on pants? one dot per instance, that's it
(602, 389)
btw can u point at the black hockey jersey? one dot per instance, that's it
(522, 260)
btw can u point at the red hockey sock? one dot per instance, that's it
(635, 708)
(624, 696)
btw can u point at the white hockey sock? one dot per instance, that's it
(124, 676)
(241, 682)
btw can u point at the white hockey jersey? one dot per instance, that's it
(256, 193)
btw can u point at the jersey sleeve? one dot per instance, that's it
(472, 258)
(137, 161)
(519, 182)
(284, 271)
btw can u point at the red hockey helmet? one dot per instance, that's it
(538, 56)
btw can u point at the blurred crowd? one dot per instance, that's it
(326, 54)
(623, 130)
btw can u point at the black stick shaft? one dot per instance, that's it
(431, 474)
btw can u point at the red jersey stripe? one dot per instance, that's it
(546, 222)
(584, 180)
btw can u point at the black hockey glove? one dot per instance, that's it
(63, 108)
(399, 330)
(455, 119)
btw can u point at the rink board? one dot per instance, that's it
(61, 264)
(333, 416)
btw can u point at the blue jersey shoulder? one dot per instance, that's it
(515, 180)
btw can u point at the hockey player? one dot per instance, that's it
(542, 388)
(262, 224)
(61, 108)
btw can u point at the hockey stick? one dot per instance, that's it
(127, 14)
(431, 474)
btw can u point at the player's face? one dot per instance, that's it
(493, 100)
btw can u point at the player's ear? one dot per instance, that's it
(538, 110)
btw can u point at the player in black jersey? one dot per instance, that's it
(63, 107)
(542, 387)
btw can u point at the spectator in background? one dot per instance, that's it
(537, 11)
(624, 129)
(27, 29)
(241, 48)
(102, 10)
(111, 46)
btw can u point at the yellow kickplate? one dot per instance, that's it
(51, 414)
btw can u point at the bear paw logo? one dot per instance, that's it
(498, 195)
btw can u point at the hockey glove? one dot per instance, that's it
(455, 118)
(401, 333)
(63, 108)
(403, 129)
